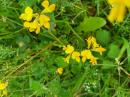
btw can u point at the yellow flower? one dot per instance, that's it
(44, 21)
(100, 50)
(48, 8)
(26, 24)
(118, 10)
(69, 49)
(67, 59)
(39, 20)
(60, 70)
(91, 41)
(76, 56)
(86, 54)
(117, 14)
(27, 15)
(93, 60)
(38, 29)
(71, 53)
(3, 85)
(127, 2)
(113, 2)
(113, 14)
(32, 26)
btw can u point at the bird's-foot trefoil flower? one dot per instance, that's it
(118, 10)
(69, 50)
(99, 49)
(27, 15)
(59, 71)
(3, 90)
(47, 7)
(76, 56)
(34, 21)
(91, 42)
(44, 21)
(86, 54)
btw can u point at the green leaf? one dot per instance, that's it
(128, 54)
(91, 24)
(75, 68)
(64, 93)
(127, 48)
(79, 81)
(55, 87)
(107, 64)
(37, 72)
(113, 51)
(60, 61)
(103, 37)
(27, 2)
(37, 87)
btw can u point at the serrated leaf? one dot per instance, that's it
(91, 24)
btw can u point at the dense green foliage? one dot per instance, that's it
(29, 61)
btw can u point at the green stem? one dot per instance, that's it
(124, 47)
(14, 22)
(71, 29)
(74, 32)
(56, 38)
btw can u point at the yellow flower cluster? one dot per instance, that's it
(118, 10)
(92, 46)
(34, 21)
(3, 91)
(85, 54)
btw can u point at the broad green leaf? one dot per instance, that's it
(103, 37)
(113, 51)
(91, 24)
(75, 68)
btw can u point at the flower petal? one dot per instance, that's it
(47, 25)
(45, 3)
(26, 24)
(113, 14)
(28, 10)
(121, 13)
